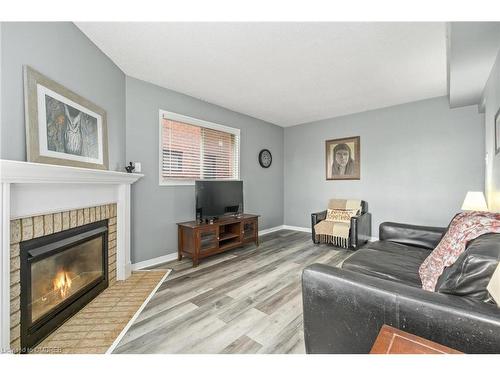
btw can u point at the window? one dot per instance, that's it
(192, 149)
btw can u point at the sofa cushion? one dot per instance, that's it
(470, 274)
(388, 260)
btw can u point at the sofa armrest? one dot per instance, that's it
(361, 230)
(413, 235)
(344, 312)
(316, 217)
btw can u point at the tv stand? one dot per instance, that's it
(198, 239)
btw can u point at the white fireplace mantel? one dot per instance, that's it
(29, 189)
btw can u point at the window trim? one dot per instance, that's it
(197, 122)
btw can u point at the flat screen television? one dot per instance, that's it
(218, 198)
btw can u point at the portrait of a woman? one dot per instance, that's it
(342, 159)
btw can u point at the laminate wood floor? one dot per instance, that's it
(244, 301)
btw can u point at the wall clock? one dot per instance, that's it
(265, 158)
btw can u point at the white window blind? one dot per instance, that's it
(190, 152)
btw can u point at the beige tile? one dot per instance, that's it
(15, 319)
(48, 224)
(59, 336)
(27, 228)
(112, 236)
(94, 342)
(15, 231)
(15, 264)
(102, 335)
(98, 213)
(72, 219)
(86, 216)
(92, 214)
(66, 328)
(79, 219)
(15, 332)
(15, 291)
(65, 220)
(15, 276)
(111, 243)
(14, 250)
(57, 222)
(103, 213)
(15, 305)
(38, 230)
(112, 221)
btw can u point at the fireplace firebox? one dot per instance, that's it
(60, 274)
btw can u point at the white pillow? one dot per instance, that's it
(494, 285)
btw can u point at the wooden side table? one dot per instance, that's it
(394, 341)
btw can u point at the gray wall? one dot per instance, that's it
(418, 160)
(156, 209)
(491, 100)
(63, 53)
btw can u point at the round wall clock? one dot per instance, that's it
(265, 158)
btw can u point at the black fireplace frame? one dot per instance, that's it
(39, 248)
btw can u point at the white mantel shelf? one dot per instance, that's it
(12, 171)
(29, 189)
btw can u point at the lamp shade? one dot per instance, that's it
(474, 201)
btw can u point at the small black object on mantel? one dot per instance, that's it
(130, 167)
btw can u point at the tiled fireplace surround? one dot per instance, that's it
(42, 199)
(27, 228)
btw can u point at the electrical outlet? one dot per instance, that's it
(137, 166)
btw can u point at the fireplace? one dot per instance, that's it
(60, 274)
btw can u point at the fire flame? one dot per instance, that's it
(62, 283)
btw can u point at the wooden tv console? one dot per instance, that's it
(198, 240)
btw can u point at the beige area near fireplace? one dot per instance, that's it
(27, 228)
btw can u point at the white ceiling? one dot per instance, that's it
(284, 73)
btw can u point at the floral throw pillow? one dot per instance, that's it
(465, 227)
(342, 216)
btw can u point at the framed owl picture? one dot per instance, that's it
(62, 127)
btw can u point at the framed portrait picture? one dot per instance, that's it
(343, 159)
(497, 132)
(62, 127)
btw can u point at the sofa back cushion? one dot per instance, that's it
(470, 274)
(411, 235)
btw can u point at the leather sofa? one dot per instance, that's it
(361, 226)
(345, 308)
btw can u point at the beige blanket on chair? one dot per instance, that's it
(335, 228)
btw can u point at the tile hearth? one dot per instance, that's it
(27, 228)
(94, 328)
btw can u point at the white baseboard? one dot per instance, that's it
(298, 229)
(373, 239)
(154, 261)
(270, 230)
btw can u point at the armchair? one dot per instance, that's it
(361, 226)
